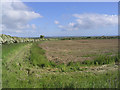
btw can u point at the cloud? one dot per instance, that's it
(33, 26)
(18, 31)
(91, 21)
(16, 16)
(56, 22)
(60, 26)
(71, 24)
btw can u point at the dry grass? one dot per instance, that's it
(78, 50)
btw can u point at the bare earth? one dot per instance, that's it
(78, 50)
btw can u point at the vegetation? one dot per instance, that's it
(42, 36)
(32, 69)
(8, 49)
(26, 65)
(37, 56)
(101, 60)
(9, 39)
(93, 37)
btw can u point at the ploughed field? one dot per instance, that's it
(61, 64)
(66, 51)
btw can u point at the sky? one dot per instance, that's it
(32, 19)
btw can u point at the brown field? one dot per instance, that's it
(78, 50)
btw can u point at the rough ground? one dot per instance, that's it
(18, 66)
(20, 60)
(78, 50)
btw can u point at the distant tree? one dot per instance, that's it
(103, 37)
(41, 36)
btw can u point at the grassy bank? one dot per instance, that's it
(15, 58)
(10, 48)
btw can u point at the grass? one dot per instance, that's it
(38, 56)
(30, 70)
(76, 66)
(64, 80)
(7, 49)
(79, 80)
(71, 80)
(101, 60)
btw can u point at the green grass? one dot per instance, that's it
(101, 60)
(76, 66)
(38, 57)
(69, 75)
(7, 49)
(80, 80)
(65, 80)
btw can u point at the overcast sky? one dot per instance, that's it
(31, 19)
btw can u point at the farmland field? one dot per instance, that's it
(61, 64)
(46, 44)
(79, 50)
